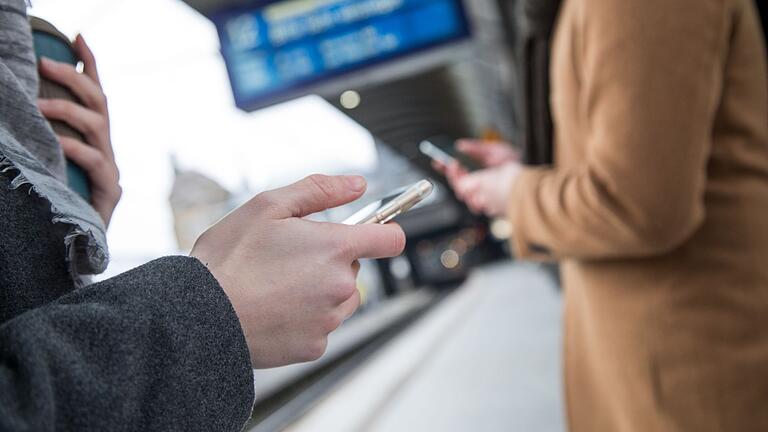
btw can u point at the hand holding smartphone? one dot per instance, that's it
(391, 206)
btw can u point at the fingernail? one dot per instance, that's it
(42, 102)
(45, 61)
(357, 183)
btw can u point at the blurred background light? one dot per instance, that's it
(350, 99)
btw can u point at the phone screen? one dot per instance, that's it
(441, 149)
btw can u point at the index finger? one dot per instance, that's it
(86, 55)
(310, 195)
(373, 240)
(438, 167)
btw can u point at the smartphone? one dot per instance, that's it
(391, 206)
(441, 149)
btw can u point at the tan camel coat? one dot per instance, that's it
(658, 208)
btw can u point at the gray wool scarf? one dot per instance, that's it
(30, 152)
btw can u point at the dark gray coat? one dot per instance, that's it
(157, 348)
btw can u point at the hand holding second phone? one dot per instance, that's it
(485, 191)
(293, 281)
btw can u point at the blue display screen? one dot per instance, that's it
(279, 46)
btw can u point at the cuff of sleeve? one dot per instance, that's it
(203, 335)
(521, 199)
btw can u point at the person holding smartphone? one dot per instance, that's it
(657, 208)
(171, 344)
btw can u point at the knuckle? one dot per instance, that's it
(330, 323)
(69, 74)
(98, 100)
(93, 158)
(102, 124)
(315, 349)
(66, 70)
(347, 250)
(91, 163)
(70, 146)
(266, 200)
(344, 290)
(398, 241)
(92, 125)
(342, 247)
(67, 109)
(55, 69)
(84, 156)
(322, 184)
(118, 192)
(55, 106)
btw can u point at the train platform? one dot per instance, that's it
(487, 358)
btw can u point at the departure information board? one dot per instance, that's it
(276, 47)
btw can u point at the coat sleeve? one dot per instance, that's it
(157, 348)
(651, 76)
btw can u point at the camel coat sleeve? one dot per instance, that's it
(647, 101)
